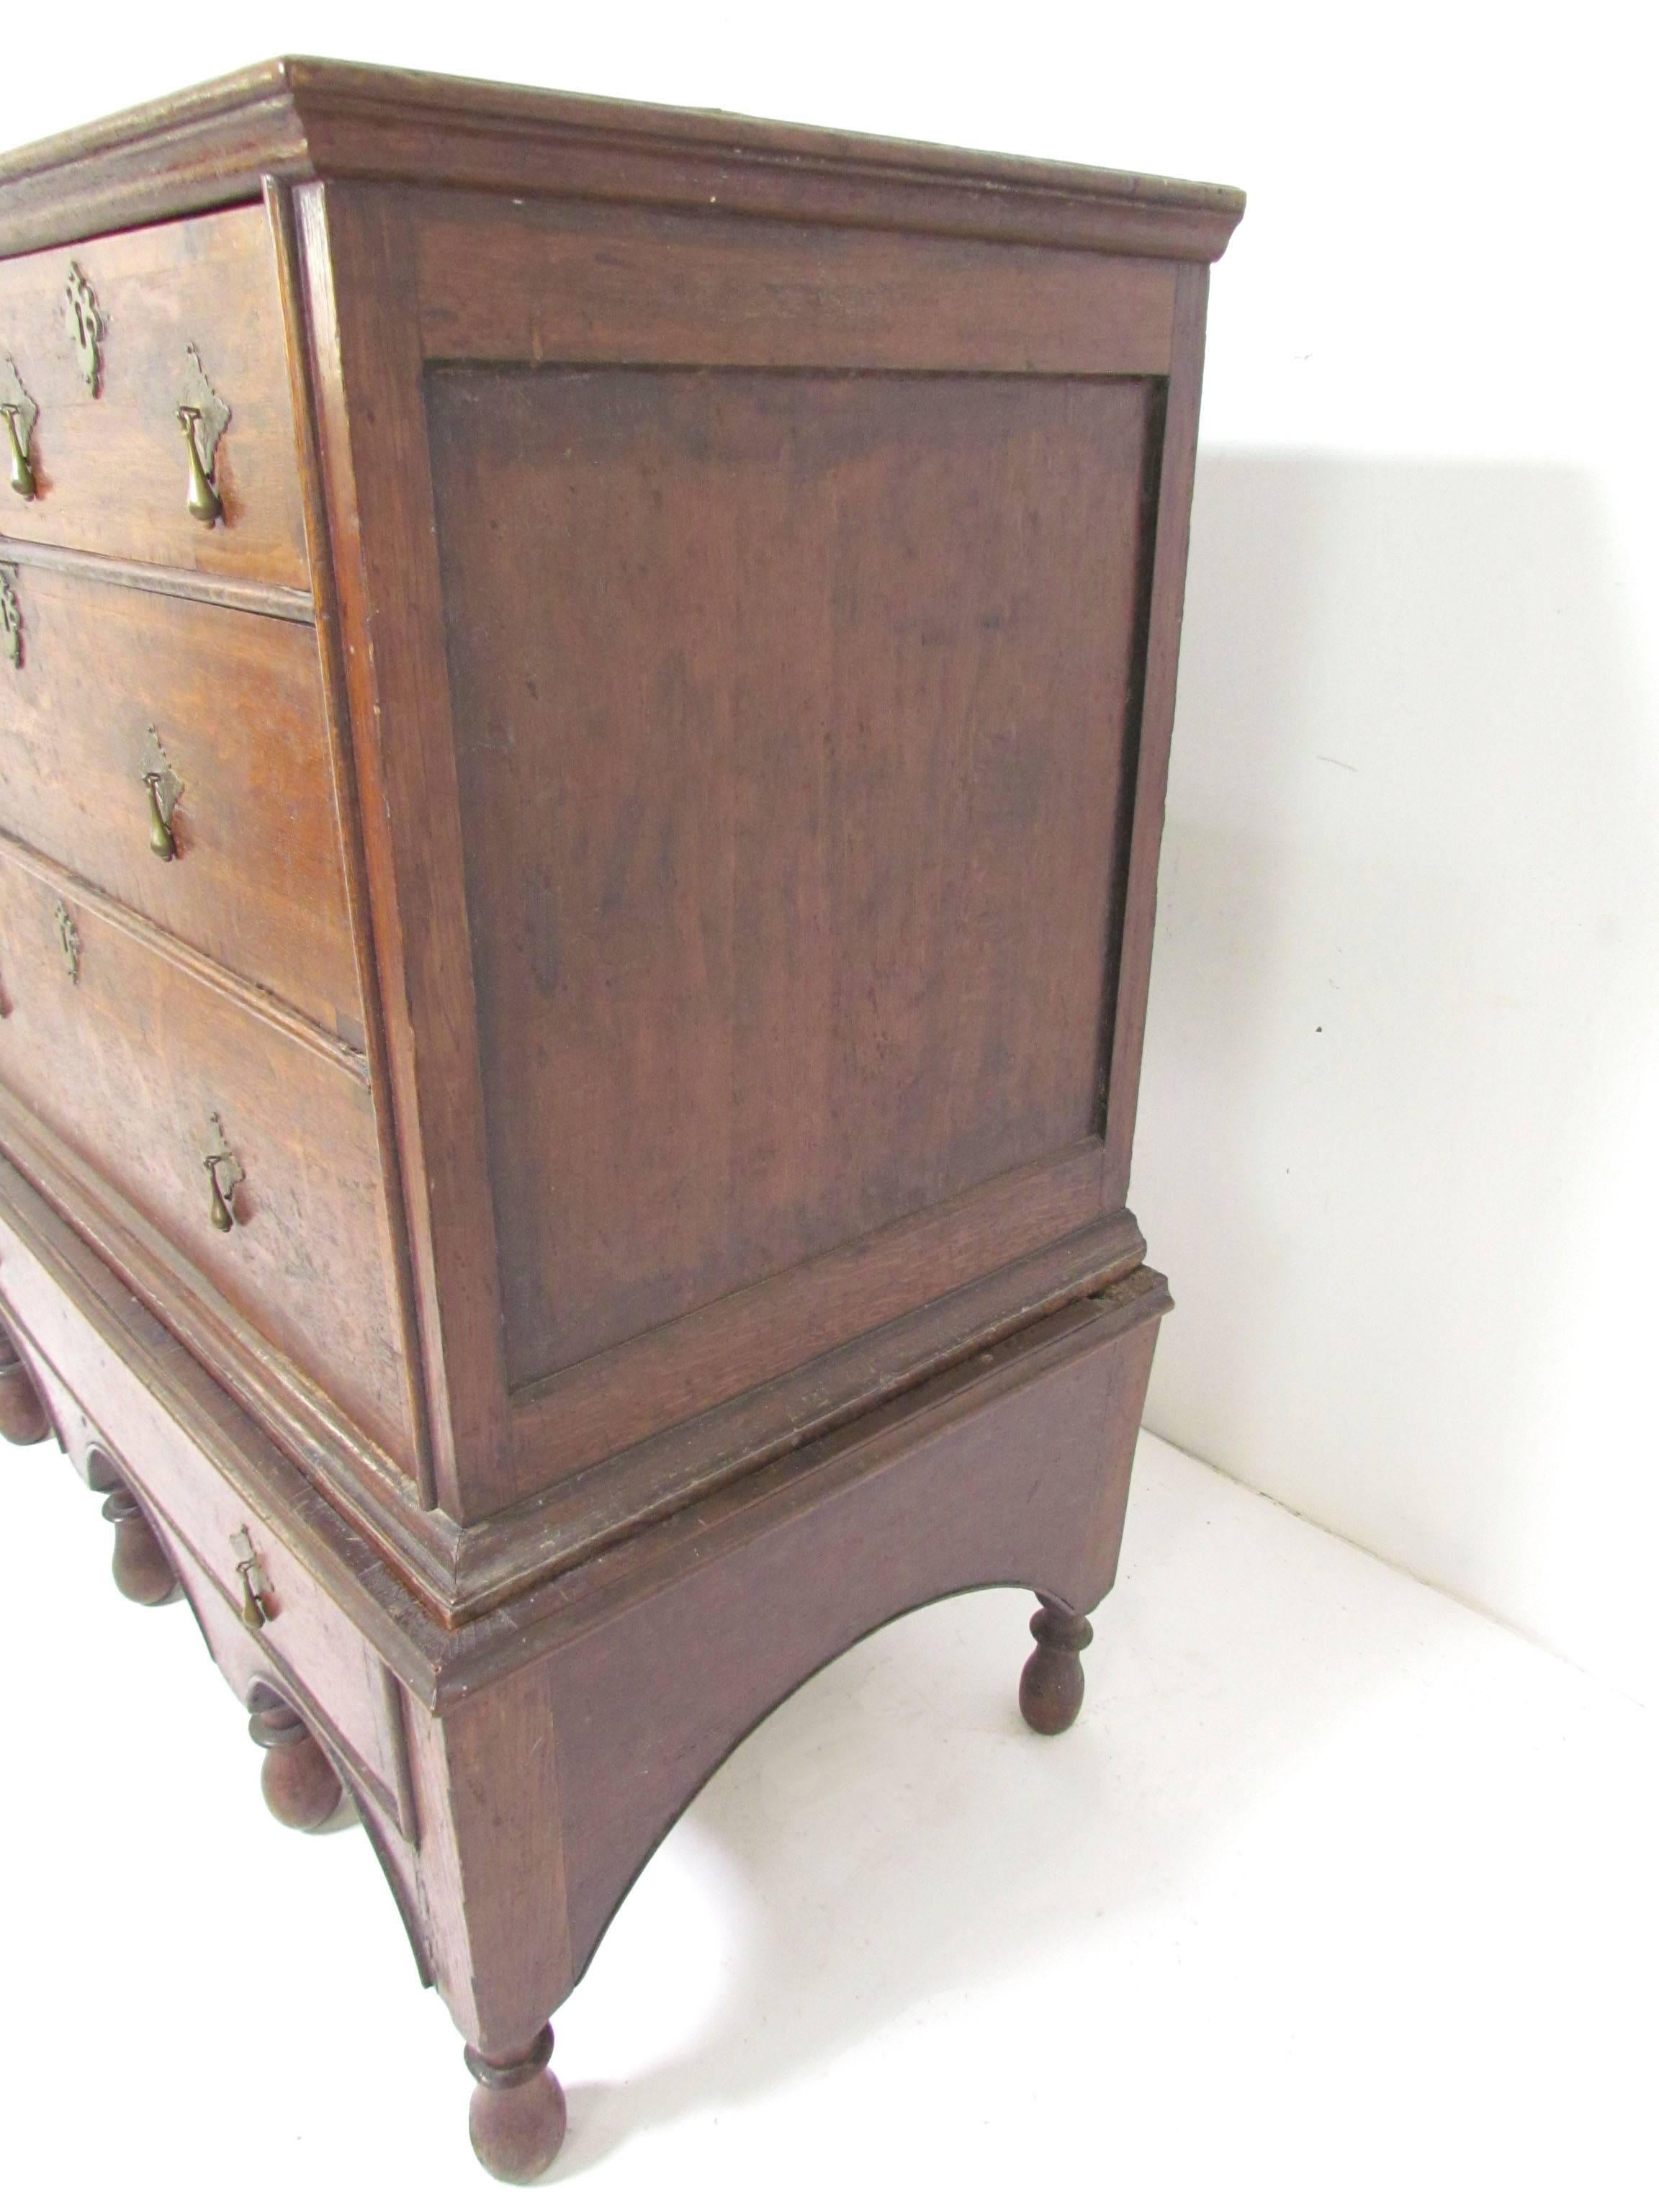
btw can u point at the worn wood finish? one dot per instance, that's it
(517, 2120)
(484, 743)
(290, 284)
(111, 470)
(1051, 1686)
(298, 1783)
(731, 828)
(23, 1418)
(561, 283)
(298, 119)
(552, 1745)
(235, 701)
(307, 1261)
(140, 1567)
(1143, 827)
(654, 937)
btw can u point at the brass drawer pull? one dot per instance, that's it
(21, 476)
(21, 413)
(256, 1589)
(203, 417)
(162, 842)
(156, 774)
(224, 1172)
(202, 501)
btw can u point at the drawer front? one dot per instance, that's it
(177, 304)
(226, 708)
(113, 1428)
(147, 1070)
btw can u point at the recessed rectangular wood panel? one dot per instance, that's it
(790, 711)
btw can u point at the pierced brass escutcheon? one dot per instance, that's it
(224, 1172)
(68, 940)
(21, 416)
(86, 326)
(256, 1589)
(203, 417)
(11, 619)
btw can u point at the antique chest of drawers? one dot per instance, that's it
(583, 703)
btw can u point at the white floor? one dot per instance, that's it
(1338, 1896)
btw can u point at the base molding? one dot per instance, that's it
(85, 1235)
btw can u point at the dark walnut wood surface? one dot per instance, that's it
(578, 1162)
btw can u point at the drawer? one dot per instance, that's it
(114, 1429)
(177, 303)
(111, 683)
(146, 1068)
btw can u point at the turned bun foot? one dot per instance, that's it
(1051, 1687)
(517, 2119)
(23, 1418)
(300, 1785)
(141, 1569)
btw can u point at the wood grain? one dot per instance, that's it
(673, 737)
(291, 288)
(357, 257)
(559, 281)
(789, 713)
(1142, 827)
(300, 119)
(236, 702)
(111, 471)
(127, 1064)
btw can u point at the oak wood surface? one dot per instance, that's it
(128, 1061)
(235, 701)
(491, 1451)
(290, 283)
(713, 591)
(1143, 825)
(142, 1387)
(300, 118)
(23, 1417)
(356, 260)
(111, 470)
(559, 281)
(788, 761)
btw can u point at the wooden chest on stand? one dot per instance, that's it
(584, 695)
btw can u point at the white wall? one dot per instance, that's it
(1402, 1087)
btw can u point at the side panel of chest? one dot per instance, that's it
(749, 632)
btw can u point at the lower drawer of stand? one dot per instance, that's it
(116, 1431)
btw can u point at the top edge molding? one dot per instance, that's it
(296, 119)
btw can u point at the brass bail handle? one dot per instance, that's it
(162, 841)
(21, 475)
(202, 501)
(223, 1183)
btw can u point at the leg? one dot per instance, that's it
(517, 2119)
(22, 1416)
(299, 1785)
(1051, 1687)
(141, 1569)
